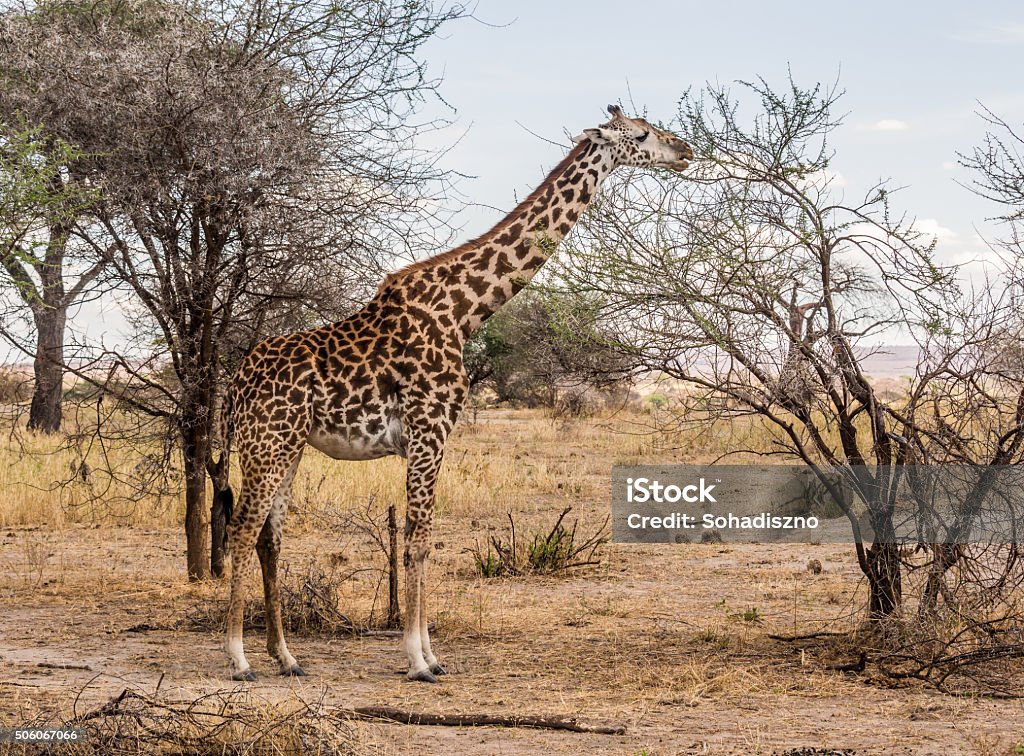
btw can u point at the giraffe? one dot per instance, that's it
(390, 380)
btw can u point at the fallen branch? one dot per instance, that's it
(389, 714)
(51, 665)
(807, 636)
(225, 721)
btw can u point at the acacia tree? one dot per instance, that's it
(542, 348)
(751, 280)
(998, 171)
(40, 203)
(245, 154)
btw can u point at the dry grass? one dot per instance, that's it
(496, 461)
(658, 638)
(310, 604)
(670, 640)
(540, 460)
(44, 483)
(237, 722)
(541, 551)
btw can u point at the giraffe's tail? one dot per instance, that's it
(223, 507)
(223, 497)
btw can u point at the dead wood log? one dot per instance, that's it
(51, 665)
(571, 724)
(806, 636)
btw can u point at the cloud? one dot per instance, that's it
(926, 226)
(948, 165)
(993, 34)
(931, 227)
(886, 124)
(827, 179)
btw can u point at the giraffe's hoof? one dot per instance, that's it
(293, 671)
(422, 676)
(244, 676)
(438, 670)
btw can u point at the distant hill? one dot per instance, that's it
(887, 366)
(891, 361)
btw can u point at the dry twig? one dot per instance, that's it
(391, 714)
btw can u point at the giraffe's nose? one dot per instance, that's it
(687, 152)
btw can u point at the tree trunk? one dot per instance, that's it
(45, 413)
(885, 581)
(219, 517)
(394, 612)
(944, 556)
(197, 408)
(194, 452)
(220, 512)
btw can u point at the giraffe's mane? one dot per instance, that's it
(447, 256)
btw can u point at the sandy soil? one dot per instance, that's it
(662, 639)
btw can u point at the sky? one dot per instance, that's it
(914, 76)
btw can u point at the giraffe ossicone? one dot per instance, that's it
(390, 380)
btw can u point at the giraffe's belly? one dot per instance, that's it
(359, 443)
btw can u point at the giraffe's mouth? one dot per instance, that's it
(685, 156)
(679, 165)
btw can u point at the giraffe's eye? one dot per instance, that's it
(643, 136)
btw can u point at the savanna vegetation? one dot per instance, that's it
(222, 171)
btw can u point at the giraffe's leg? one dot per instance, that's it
(418, 667)
(425, 450)
(428, 654)
(242, 532)
(259, 491)
(268, 547)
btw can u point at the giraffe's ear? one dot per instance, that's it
(598, 136)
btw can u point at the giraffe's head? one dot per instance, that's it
(634, 141)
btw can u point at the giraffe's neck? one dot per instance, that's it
(468, 284)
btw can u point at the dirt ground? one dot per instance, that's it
(670, 641)
(660, 639)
